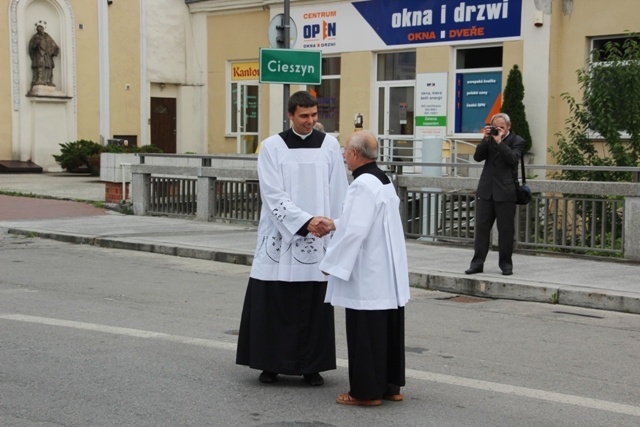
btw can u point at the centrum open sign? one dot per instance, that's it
(288, 66)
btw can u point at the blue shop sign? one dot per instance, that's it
(401, 22)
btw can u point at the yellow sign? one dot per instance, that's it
(245, 71)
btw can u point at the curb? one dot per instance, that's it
(486, 287)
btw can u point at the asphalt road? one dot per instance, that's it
(100, 337)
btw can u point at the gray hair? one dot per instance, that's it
(503, 116)
(365, 143)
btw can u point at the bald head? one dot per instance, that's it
(365, 143)
(362, 148)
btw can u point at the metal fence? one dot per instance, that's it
(237, 200)
(441, 216)
(589, 226)
(577, 224)
(176, 196)
(590, 218)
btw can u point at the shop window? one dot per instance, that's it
(478, 87)
(328, 95)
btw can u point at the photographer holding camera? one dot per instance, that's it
(501, 150)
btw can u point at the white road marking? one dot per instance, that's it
(548, 396)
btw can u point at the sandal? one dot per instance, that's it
(347, 399)
(393, 397)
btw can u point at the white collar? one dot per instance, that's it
(303, 137)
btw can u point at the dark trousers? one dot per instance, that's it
(487, 212)
(375, 343)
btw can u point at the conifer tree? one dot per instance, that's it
(513, 105)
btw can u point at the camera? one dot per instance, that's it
(493, 131)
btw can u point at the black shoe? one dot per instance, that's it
(268, 377)
(474, 270)
(313, 379)
(507, 272)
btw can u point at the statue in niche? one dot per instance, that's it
(42, 50)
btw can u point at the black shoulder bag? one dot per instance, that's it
(523, 192)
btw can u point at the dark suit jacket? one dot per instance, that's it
(500, 170)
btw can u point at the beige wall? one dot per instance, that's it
(511, 55)
(124, 58)
(434, 59)
(229, 40)
(88, 93)
(355, 91)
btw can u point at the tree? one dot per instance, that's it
(513, 105)
(610, 110)
(610, 113)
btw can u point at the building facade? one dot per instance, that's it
(123, 69)
(186, 75)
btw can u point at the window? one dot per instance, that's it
(613, 71)
(328, 95)
(487, 57)
(397, 66)
(600, 43)
(478, 87)
(244, 102)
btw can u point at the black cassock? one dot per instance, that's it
(287, 328)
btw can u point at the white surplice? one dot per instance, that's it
(366, 258)
(296, 185)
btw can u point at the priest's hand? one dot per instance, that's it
(320, 226)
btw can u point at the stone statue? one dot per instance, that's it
(42, 49)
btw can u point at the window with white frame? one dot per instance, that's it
(243, 106)
(599, 63)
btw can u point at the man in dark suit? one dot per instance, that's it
(501, 150)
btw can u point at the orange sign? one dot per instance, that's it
(245, 71)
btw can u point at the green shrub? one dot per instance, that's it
(148, 149)
(84, 155)
(75, 156)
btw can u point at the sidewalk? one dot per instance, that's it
(607, 285)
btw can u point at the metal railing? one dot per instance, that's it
(176, 196)
(456, 158)
(439, 216)
(551, 223)
(236, 200)
(564, 216)
(576, 224)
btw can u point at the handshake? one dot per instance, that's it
(320, 226)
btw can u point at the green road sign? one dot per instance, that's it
(290, 66)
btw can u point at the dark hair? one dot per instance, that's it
(301, 99)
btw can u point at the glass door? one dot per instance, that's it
(396, 120)
(246, 97)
